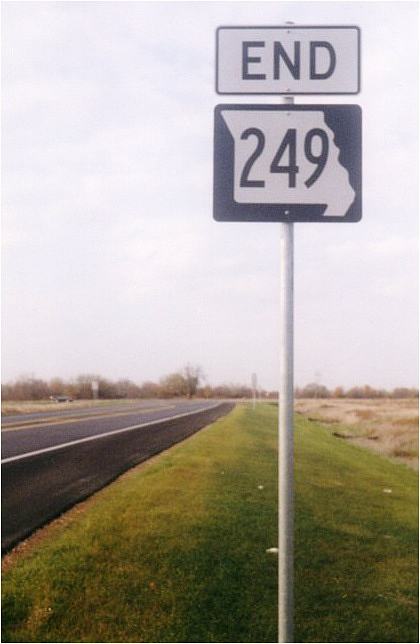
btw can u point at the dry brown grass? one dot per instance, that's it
(389, 426)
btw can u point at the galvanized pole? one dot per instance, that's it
(286, 474)
(254, 389)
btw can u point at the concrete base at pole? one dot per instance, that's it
(286, 459)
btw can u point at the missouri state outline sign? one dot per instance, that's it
(287, 163)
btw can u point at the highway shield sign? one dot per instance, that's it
(287, 163)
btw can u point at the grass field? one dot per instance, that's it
(356, 542)
(175, 550)
(388, 426)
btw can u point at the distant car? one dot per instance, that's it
(60, 399)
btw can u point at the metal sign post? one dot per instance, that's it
(95, 389)
(287, 163)
(285, 453)
(285, 435)
(254, 389)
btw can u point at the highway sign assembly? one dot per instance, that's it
(288, 60)
(287, 163)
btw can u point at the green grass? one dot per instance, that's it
(356, 555)
(175, 551)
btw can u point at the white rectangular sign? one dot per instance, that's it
(288, 60)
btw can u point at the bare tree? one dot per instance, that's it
(173, 385)
(192, 375)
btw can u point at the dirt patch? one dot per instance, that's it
(340, 435)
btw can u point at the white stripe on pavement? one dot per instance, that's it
(54, 448)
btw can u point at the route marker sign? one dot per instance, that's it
(287, 163)
(288, 60)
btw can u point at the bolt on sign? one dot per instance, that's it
(288, 60)
(287, 163)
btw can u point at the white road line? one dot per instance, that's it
(69, 420)
(54, 448)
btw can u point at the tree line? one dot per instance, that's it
(315, 390)
(187, 382)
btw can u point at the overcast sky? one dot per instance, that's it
(112, 263)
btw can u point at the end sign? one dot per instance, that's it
(288, 60)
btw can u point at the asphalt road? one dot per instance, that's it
(52, 460)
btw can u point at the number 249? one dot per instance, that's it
(289, 142)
